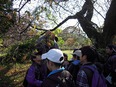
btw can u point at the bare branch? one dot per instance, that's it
(65, 9)
(99, 13)
(39, 28)
(69, 17)
(20, 3)
(23, 6)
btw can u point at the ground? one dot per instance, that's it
(12, 75)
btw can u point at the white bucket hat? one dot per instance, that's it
(54, 55)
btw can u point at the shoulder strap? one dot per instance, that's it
(89, 74)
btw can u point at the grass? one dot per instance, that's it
(12, 75)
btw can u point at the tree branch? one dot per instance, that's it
(27, 27)
(69, 17)
(23, 6)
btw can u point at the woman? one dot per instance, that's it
(36, 73)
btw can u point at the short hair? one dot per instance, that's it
(65, 55)
(111, 47)
(56, 64)
(89, 52)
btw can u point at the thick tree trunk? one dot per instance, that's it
(109, 30)
(100, 40)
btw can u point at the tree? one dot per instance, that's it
(84, 17)
(7, 16)
(83, 11)
(97, 34)
(109, 29)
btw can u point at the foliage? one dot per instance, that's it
(73, 38)
(60, 41)
(21, 52)
(7, 16)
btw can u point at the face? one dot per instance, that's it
(49, 65)
(65, 58)
(38, 59)
(74, 57)
(108, 50)
(83, 59)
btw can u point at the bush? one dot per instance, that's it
(20, 52)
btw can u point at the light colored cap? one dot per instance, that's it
(77, 53)
(54, 55)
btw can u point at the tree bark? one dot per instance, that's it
(109, 30)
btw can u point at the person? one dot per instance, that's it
(75, 64)
(85, 75)
(66, 62)
(55, 59)
(110, 65)
(47, 42)
(36, 72)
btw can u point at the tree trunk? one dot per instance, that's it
(100, 40)
(109, 30)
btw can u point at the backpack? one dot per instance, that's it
(97, 78)
(63, 81)
(74, 68)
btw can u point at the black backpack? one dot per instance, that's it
(73, 69)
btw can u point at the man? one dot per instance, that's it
(54, 61)
(110, 65)
(75, 64)
(88, 69)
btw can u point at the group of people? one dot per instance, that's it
(51, 68)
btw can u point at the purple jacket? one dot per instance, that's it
(35, 75)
